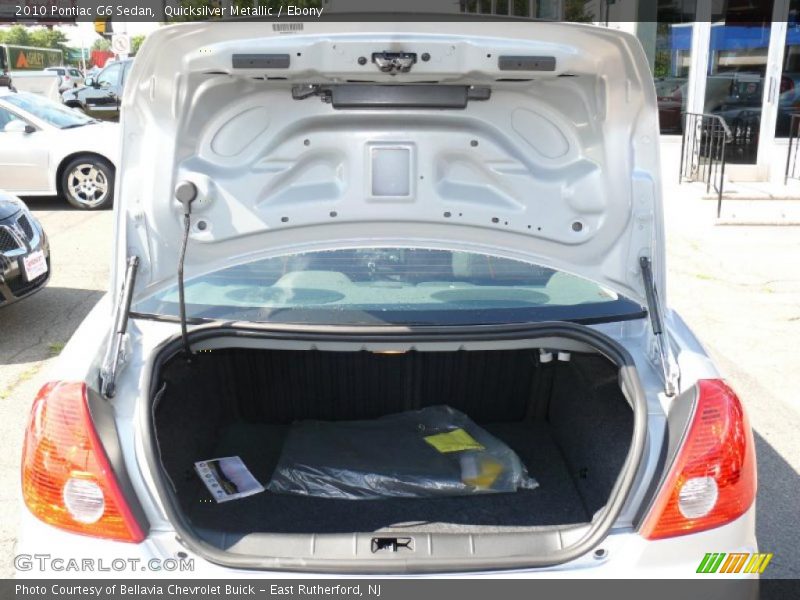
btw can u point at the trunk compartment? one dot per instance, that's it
(568, 420)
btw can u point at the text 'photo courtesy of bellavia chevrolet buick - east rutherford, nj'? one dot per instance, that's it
(384, 299)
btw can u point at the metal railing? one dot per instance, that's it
(703, 147)
(745, 129)
(791, 155)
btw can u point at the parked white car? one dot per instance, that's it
(476, 223)
(69, 77)
(41, 83)
(49, 149)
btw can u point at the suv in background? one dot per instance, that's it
(68, 77)
(100, 96)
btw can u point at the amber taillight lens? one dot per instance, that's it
(713, 478)
(67, 481)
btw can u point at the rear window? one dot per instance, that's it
(75, 73)
(55, 114)
(393, 286)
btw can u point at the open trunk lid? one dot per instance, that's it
(537, 138)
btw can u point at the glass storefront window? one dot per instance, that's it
(737, 63)
(536, 9)
(668, 43)
(789, 90)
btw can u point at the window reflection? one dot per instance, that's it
(737, 63)
(536, 9)
(667, 42)
(789, 90)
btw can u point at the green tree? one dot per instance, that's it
(136, 43)
(17, 35)
(40, 37)
(47, 38)
(663, 58)
(101, 44)
(575, 11)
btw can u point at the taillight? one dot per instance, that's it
(66, 478)
(713, 478)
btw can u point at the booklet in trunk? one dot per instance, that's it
(227, 478)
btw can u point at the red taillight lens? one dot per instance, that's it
(66, 478)
(713, 478)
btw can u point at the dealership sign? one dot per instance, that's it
(75, 55)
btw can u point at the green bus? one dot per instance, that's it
(23, 58)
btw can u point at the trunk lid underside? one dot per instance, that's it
(555, 161)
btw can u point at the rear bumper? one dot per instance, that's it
(45, 552)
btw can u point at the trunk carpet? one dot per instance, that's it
(555, 502)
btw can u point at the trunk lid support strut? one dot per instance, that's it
(111, 360)
(669, 366)
(185, 193)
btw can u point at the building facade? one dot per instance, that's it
(736, 59)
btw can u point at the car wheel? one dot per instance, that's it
(88, 183)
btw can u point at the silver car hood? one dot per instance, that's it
(559, 166)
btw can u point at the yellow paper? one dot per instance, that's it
(453, 441)
(490, 470)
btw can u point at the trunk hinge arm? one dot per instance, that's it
(669, 366)
(111, 360)
(185, 192)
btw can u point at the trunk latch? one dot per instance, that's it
(391, 544)
(394, 62)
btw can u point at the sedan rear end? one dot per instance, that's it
(326, 234)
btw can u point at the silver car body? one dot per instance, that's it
(547, 151)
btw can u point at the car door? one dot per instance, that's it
(77, 77)
(23, 156)
(125, 71)
(102, 100)
(60, 73)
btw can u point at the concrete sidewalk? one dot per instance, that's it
(749, 203)
(743, 202)
(738, 288)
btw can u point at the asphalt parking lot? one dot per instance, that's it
(737, 287)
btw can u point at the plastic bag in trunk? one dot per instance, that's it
(436, 451)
